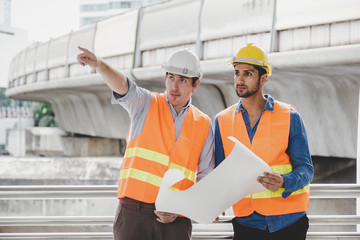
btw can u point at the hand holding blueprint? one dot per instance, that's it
(234, 179)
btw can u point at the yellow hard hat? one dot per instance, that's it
(253, 55)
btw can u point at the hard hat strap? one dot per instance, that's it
(251, 60)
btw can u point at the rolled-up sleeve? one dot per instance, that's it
(117, 98)
(219, 148)
(136, 102)
(299, 153)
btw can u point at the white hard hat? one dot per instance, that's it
(183, 62)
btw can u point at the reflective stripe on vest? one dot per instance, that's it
(151, 178)
(270, 194)
(155, 150)
(147, 154)
(148, 177)
(269, 143)
(141, 176)
(280, 169)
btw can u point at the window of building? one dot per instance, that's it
(114, 5)
(125, 4)
(87, 20)
(94, 7)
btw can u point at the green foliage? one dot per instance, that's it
(44, 115)
(6, 102)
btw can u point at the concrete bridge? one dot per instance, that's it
(314, 48)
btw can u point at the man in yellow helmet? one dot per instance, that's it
(276, 133)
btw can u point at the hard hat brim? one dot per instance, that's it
(180, 71)
(252, 62)
(247, 60)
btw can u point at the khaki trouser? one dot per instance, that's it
(135, 220)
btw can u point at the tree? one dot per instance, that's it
(4, 101)
(44, 115)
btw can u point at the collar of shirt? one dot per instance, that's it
(268, 106)
(172, 108)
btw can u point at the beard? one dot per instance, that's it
(249, 92)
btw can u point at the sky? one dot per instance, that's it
(45, 18)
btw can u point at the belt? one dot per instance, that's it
(136, 204)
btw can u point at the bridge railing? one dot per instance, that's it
(141, 38)
(217, 230)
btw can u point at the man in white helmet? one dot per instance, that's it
(166, 132)
(275, 132)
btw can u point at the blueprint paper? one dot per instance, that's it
(234, 179)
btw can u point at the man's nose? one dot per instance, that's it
(175, 84)
(239, 79)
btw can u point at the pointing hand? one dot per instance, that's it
(88, 58)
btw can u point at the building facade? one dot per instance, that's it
(5, 12)
(12, 40)
(94, 10)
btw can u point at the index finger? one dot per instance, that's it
(268, 174)
(84, 49)
(158, 213)
(164, 213)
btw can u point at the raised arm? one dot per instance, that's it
(113, 78)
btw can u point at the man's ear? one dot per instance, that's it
(263, 78)
(196, 84)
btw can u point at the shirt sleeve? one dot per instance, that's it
(299, 153)
(207, 159)
(135, 100)
(219, 149)
(137, 103)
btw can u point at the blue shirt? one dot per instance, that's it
(299, 177)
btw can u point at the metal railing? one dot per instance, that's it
(109, 191)
(199, 235)
(217, 230)
(108, 220)
(58, 192)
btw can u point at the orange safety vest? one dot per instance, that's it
(155, 150)
(269, 143)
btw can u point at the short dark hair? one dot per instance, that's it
(260, 70)
(194, 79)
